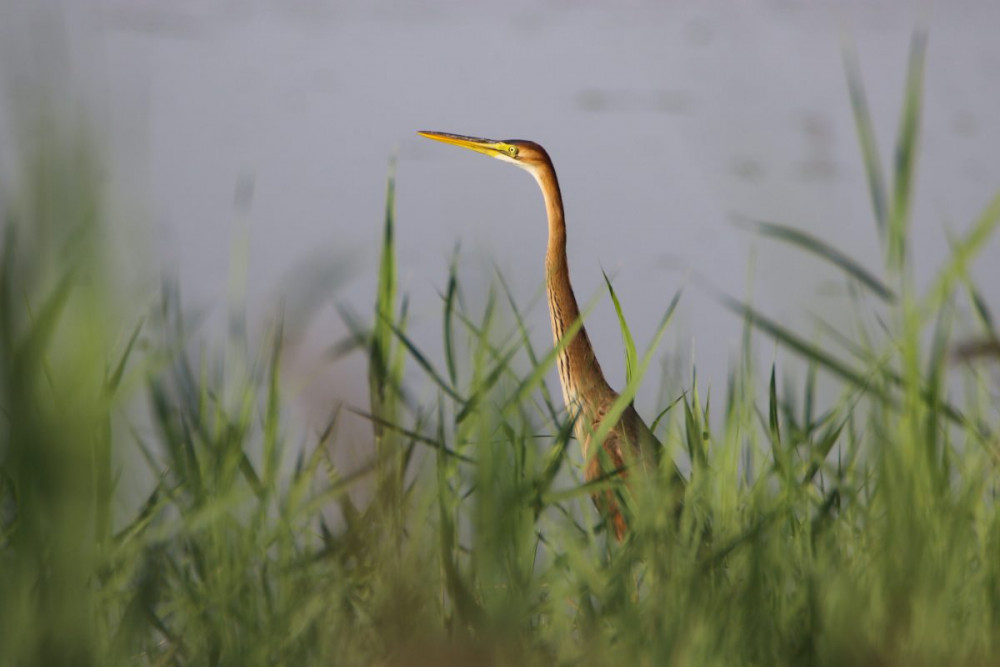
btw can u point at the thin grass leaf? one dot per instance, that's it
(773, 423)
(664, 411)
(862, 352)
(528, 347)
(631, 356)
(36, 340)
(486, 385)
(539, 371)
(380, 352)
(982, 309)
(501, 360)
(116, 376)
(609, 480)
(425, 364)
(862, 381)
(177, 438)
(937, 365)
(906, 150)
(397, 360)
(306, 471)
(144, 517)
(555, 461)
(810, 398)
(468, 608)
(877, 189)
(627, 395)
(413, 435)
(694, 430)
(963, 253)
(781, 462)
(824, 251)
(449, 307)
(796, 343)
(272, 415)
(346, 346)
(7, 333)
(822, 450)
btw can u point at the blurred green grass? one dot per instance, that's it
(865, 531)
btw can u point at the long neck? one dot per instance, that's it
(579, 372)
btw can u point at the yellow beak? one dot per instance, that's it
(485, 146)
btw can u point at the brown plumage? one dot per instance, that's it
(588, 397)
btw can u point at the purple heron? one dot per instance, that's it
(630, 445)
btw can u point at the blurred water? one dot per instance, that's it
(664, 119)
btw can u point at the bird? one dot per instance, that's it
(629, 444)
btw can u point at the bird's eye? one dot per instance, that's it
(512, 150)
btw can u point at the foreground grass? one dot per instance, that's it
(861, 532)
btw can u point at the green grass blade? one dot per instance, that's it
(774, 426)
(556, 458)
(272, 415)
(486, 385)
(116, 375)
(412, 435)
(798, 344)
(385, 310)
(810, 398)
(906, 150)
(663, 413)
(538, 372)
(627, 395)
(608, 480)
(425, 363)
(936, 388)
(449, 308)
(822, 450)
(982, 309)
(826, 252)
(37, 339)
(528, 347)
(962, 255)
(694, 430)
(877, 189)
(861, 381)
(631, 356)
(397, 362)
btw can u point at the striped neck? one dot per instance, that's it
(580, 374)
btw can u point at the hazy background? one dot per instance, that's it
(278, 119)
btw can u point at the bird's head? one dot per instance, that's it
(525, 154)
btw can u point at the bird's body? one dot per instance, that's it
(588, 396)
